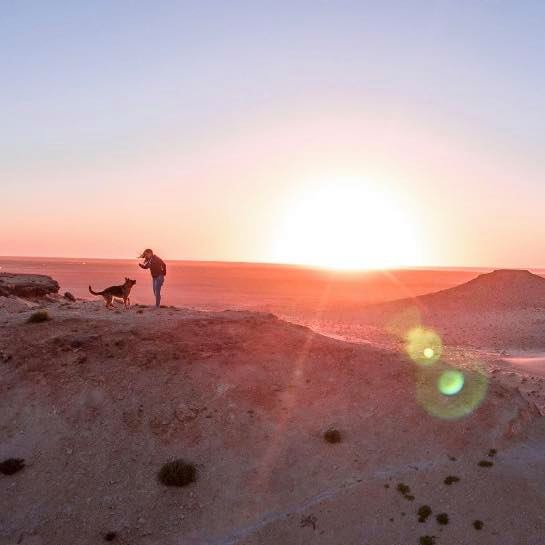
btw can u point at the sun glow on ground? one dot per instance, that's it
(347, 224)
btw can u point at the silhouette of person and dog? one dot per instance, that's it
(158, 270)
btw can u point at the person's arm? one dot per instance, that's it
(144, 265)
(164, 267)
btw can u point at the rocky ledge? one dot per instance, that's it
(27, 285)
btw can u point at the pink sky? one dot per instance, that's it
(361, 139)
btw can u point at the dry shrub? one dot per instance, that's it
(38, 316)
(177, 473)
(332, 435)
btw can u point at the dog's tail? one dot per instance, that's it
(95, 292)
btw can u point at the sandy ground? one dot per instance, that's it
(96, 401)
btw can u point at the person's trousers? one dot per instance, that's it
(157, 284)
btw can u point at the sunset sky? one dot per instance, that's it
(336, 133)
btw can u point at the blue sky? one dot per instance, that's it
(94, 94)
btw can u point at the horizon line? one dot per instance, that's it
(298, 265)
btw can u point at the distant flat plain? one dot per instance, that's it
(222, 285)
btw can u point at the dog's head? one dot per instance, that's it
(129, 283)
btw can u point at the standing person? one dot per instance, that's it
(158, 271)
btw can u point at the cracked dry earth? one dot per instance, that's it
(95, 401)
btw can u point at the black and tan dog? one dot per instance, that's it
(117, 292)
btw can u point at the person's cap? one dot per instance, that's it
(146, 251)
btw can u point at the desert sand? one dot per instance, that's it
(96, 401)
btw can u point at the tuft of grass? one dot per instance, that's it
(451, 479)
(11, 466)
(110, 536)
(332, 436)
(442, 518)
(478, 524)
(177, 473)
(427, 540)
(38, 316)
(424, 512)
(485, 463)
(308, 521)
(403, 488)
(492, 452)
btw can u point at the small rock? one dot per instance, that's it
(69, 296)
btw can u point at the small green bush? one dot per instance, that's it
(427, 540)
(38, 316)
(451, 479)
(177, 473)
(442, 518)
(478, 524)
(485, 463)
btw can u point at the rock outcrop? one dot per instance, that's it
(27, 285)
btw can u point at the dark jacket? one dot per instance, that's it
(156, 266)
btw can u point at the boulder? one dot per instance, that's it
(27, 285)
(69, 296)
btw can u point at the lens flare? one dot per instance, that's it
(424, 346)
(450, 382)
(448, 393)
(429, 352)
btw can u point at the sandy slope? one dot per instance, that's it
(96, 401)
(502, 311)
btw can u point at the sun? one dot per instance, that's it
(346, 224)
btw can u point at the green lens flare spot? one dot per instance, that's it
(450, 383)
(424, 346)
(447, 393)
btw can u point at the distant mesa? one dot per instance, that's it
(508, 289)
(503, 289)
(27, 285)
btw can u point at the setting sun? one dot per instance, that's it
(347, 224)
